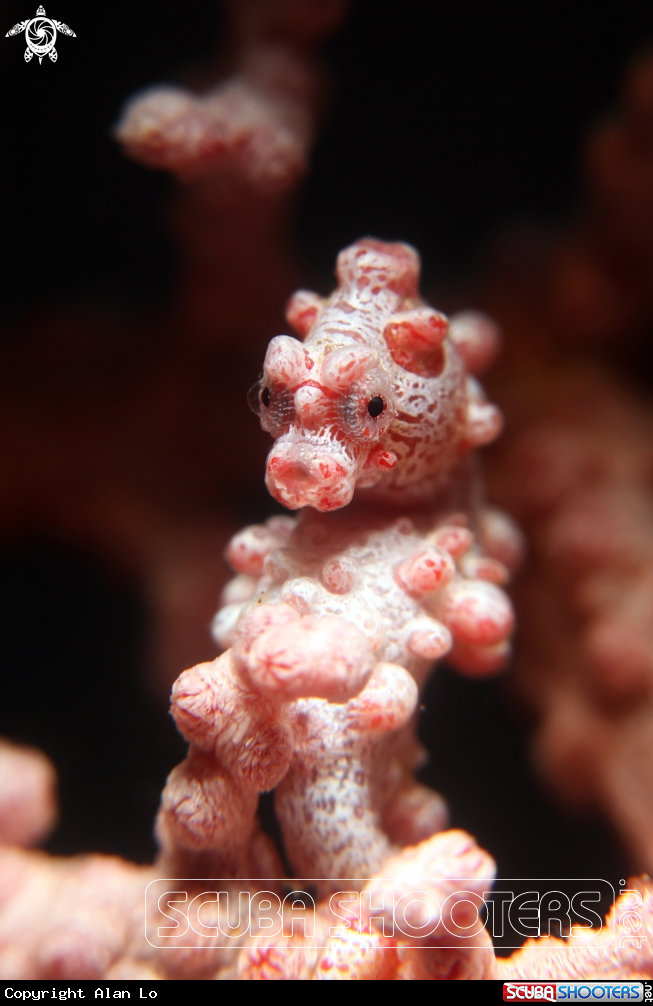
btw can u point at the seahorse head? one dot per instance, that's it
(378, 393)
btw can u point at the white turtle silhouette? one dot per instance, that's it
(40, 35)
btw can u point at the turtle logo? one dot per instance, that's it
(40, 35)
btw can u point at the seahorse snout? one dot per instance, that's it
(302, 473)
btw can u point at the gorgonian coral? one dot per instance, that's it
(334, 618)
(575, 470)
(332, 621)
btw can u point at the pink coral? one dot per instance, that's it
(83, 918)
(256, 125)
(28, 802)
(580, 484)
(574, 469)
(370, 947)
(583, 956)
(334, 620)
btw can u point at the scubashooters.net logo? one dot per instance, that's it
(575, 991)
(218, 913)
(40, 35)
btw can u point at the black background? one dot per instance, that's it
(448, 121)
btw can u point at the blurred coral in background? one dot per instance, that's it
(575, 469)
(127, 439)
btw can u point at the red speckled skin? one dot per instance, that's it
(378, 394)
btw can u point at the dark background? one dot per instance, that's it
(449, 121)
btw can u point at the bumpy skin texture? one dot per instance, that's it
(376, 398)
(378, 395)
(330, 800)
(333, 620)
(240, 746)
(349, 791)
(415, 591)
(251, 716)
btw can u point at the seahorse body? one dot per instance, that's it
(335, 618)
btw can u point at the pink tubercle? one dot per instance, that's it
(428, 570)
(322, 658)
(478, 613)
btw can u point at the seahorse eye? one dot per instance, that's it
(375, 406)
(265, 397)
